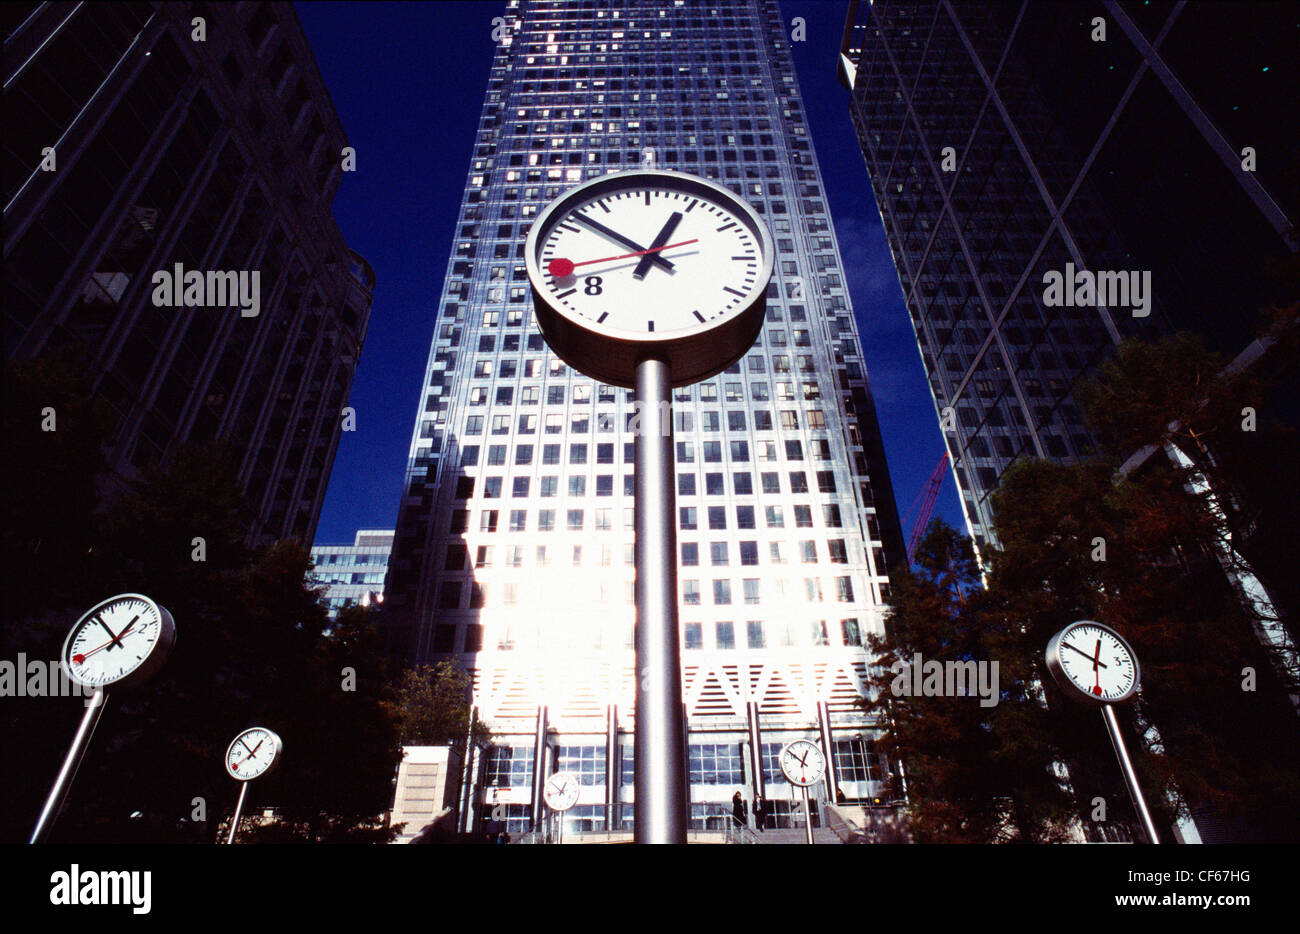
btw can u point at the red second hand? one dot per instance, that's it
(81, 657)
(561, 267)
(1095, 670)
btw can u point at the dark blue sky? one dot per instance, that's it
(407, 80)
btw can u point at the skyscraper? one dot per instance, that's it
(1005, 141)
(1147, 147)
(514, 538)
(353, 573)
(168, 176)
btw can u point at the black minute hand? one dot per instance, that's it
(619, 238)
(670, 225)
(1085, 655)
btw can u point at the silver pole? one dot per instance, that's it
(756, 748)
(539, 768)
(59, 791)
(467, 776)
(239, 809)
(828, 747)
(807, 815)
(1130, 776)
(612, 770)
(660, 804)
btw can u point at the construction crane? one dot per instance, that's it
(925, 500)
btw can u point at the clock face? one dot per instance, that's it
(252, 753)
(803, 763)
(122, 641)
(561, 791)
(654, 260)
(1093, 663)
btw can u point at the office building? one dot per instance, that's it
(1148, 144)
(168, 175)
(514, 542)
(354, 574)
(1007, 140)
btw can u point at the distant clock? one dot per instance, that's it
(121, 642)
(561, 791)
(1092, 663)
(649, 263)
(253, 753)
(803, 763)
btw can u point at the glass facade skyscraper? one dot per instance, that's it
(514, 537)
(1007, 140)
(132, 149)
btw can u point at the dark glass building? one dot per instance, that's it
(1007, 140)
(168, 174)
(1150, 144)
(514, 545)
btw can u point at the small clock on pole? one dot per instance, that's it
(804, 765)
(119, 643)
(251, 754)
(1094, 665)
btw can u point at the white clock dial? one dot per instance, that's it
(252, 753)
(561, 791)
(650, 260)
(802, 763)
(644, 264)
(1094, 661)
(122, 641)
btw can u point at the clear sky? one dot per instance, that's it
(408, 80)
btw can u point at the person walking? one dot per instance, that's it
(760, 811)
(738, 808)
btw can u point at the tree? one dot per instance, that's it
(1141, 553)
(432, 708)
(974, 773)
(254, 645)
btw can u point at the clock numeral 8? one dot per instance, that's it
(592, 285)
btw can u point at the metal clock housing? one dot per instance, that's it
(1093, 663)
(561, 791)
(649, 263)
(253, 753)
(803, 763)
(120, 642)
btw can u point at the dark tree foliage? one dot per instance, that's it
(1145, 554)
(974, 773)
(254, 646)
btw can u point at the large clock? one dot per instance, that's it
(649, 264)
(121, 642)
(1093, 663)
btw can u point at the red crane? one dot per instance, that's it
(925, 500)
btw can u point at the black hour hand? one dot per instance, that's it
(619, 238)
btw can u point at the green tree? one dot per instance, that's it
(432, 706)
(974, 773)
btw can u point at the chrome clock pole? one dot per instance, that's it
(1130, 776)
(76, 752)
(660, 802)
(239, 810)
